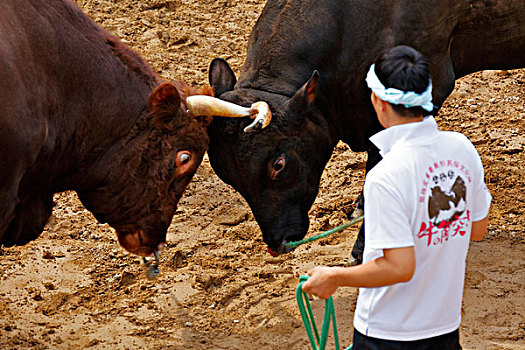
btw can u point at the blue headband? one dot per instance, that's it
(398, 97)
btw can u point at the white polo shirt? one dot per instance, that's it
(425, 192)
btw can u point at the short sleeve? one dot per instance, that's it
(386, 219)
(481, 196)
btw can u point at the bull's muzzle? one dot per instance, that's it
(153, 264)
(202, 105)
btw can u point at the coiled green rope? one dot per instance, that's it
(307, 316)
(324, 234)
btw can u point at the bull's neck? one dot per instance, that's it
(89, 161)
(89, 127)
(350, 116)
(96, 167)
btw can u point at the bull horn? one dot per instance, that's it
(202, 105)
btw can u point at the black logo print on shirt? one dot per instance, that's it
(447, 205)
(444, 195)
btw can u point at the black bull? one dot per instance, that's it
(278, 170)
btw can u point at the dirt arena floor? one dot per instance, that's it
(75, 288)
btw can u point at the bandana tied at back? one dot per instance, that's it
(398, 97)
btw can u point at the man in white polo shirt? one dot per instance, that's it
(423, 202)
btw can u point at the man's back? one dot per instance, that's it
(424, 193)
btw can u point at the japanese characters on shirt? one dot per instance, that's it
(444, 192)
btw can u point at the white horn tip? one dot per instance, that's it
(263, 118)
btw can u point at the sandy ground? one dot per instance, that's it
(74, 287)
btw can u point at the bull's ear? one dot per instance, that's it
(305, 96)
(164, 97)
(164, 105)
(221, 76)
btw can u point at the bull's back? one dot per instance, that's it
(490, 34)
(342, 38)
(67, 92)
(23, 128)
(41, 44)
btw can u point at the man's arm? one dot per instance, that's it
(479, 228)
(397, 265)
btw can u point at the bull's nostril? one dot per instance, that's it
(282, 247)
(153, 266)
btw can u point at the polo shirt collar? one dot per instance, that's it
(410, 133)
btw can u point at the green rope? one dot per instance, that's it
(307, 316)
(324, 234)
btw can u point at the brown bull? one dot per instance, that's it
(81, 111)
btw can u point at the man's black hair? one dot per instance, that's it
(405, 69)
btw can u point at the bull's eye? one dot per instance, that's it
(278, 166)
(183, 157)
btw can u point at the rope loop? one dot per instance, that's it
(307, 315)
